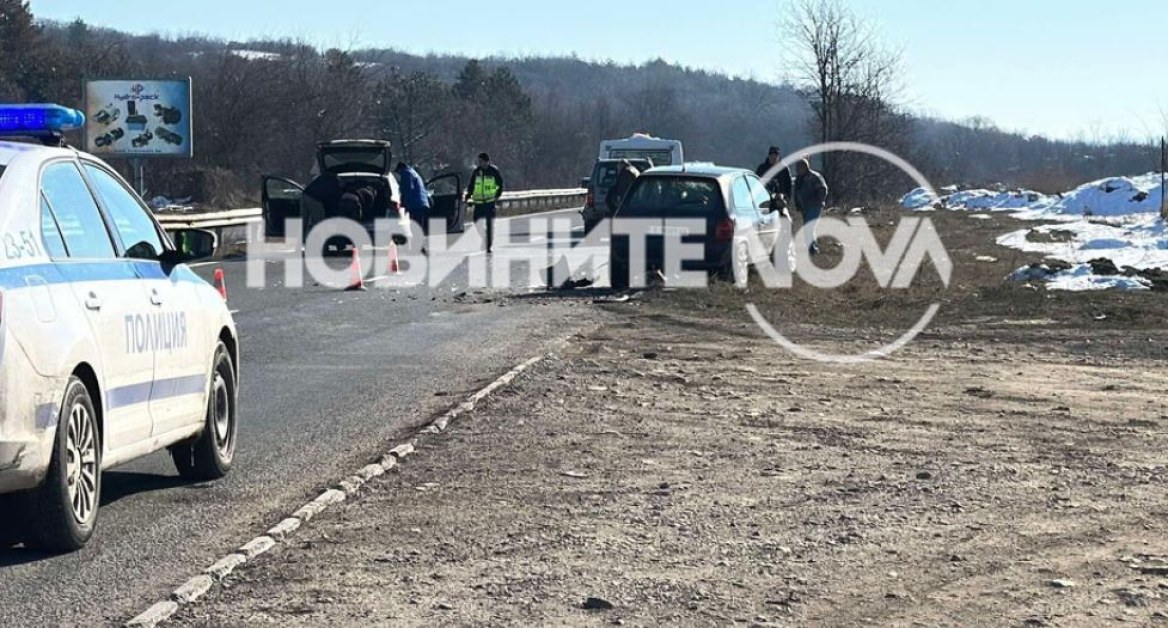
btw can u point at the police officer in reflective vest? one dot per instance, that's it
(486, 186)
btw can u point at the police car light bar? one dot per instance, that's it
(39, 119)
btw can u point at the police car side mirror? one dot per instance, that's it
(190, 245)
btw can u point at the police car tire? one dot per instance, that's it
(11, 528)
(51, 525)
(206, 459)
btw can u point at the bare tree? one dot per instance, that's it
(409, 110)
(852, 81)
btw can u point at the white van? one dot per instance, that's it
(641, 146)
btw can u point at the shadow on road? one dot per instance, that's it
(116, 485)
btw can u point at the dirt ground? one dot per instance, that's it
(677, 468)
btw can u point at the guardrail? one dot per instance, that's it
(529, 200)
(210, 220)
(535, 200)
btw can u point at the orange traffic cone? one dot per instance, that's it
(358, 284)
(221, 283)
(394, 264)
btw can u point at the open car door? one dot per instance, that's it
(446, 199)
(281, 202)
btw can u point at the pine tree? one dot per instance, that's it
(19, 50)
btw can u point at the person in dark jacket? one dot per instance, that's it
(810, 198)
(414, 196)
(485, 189)
(781, 183)
(625, 177)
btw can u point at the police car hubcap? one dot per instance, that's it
(81, 463)
(222, 410)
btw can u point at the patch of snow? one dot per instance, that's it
(1080, 278)
(919, 199)
(256, 55)
(1139, 242)
(1115, 220)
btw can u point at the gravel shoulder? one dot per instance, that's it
(1007, 468)
(687, 472)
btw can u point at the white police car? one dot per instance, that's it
(110, 347)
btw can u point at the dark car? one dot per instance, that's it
(353, 180)
(731, 202)
(602, 179)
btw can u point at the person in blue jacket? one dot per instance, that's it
(414, 196)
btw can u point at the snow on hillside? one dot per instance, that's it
(256, 55)
(1117, 196)
(1107, 234)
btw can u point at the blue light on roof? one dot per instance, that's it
(39, 119)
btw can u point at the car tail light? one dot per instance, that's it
(395, 208)
(724, 232)
(590, 200)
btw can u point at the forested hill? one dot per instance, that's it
(261, 106)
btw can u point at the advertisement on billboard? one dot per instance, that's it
(138, 119)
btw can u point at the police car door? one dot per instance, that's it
(173, 323)
(108, 290)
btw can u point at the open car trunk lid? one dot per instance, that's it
(354, 156)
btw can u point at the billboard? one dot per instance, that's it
(138, 119)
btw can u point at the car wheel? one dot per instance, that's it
(209, 457)
(63, 510)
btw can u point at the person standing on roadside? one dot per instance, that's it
(414, 196)
(780, 185)
(810, 198)
(625, 177)
(486, 186)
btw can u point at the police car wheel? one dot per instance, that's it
(63, 510)
(209, 457)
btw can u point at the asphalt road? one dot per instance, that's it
(328, 379)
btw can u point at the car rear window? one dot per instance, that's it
(673, 196)
(338, 160)
(605, 175)
(659, 157)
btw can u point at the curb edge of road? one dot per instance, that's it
(199, 586)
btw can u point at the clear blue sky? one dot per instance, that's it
(1064, 68)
